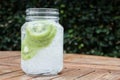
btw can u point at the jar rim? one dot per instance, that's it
(37, 11)
(42, 13)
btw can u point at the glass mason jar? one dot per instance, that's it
(42, 42)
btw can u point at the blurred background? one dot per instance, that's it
(91, 26)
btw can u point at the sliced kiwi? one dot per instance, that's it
(37, 37)
(28, 51)
(32, 34)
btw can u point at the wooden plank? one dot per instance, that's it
(73, 74)
(21, 77)
(7, 69)
(85, 59)
(93, 76)
(11, 61)
(72, 56)
(11, 74)
(93, 66)
(113, 75)
(15, 59)
(6, 54)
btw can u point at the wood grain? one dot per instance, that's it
(76, 67)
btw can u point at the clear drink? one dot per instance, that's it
(42, 42)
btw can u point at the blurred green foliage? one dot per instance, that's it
(91, 26)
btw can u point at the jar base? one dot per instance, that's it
(42, 74)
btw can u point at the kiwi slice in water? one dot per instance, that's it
(37, 37)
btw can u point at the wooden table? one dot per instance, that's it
(76, 67)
